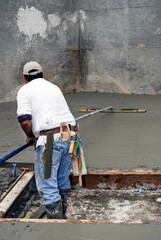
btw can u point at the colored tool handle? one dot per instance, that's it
(77, 149)
(11, 154)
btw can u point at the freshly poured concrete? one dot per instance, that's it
(110, 140)
(56, 231)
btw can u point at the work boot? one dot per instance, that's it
(55, 210)
(64, 196)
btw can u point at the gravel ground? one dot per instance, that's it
(7, 178)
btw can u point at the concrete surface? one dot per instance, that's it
(105, 45)
(39, 231)
(110, 140)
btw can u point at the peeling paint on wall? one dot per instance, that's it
(54, 21)
(79, 16)
(82, 19)
(30, 22)
(74, 17)
(83, 14)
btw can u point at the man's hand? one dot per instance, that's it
(28, 139)
(27, 128)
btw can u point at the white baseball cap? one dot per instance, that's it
(32, 68)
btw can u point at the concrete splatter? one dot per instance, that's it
(31, 22)
(54, 21)
(79, 16)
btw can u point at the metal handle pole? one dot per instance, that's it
(92, 113)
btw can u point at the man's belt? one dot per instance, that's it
(57, 130)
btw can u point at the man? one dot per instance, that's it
(41, 107)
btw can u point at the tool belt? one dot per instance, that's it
(57, 130)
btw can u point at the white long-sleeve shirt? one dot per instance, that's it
(45, 103)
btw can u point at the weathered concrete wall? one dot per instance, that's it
(124, 45)
(94, 45)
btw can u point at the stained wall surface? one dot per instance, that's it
(105, 45)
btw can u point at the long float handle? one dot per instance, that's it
(92, 113)
(11, 154)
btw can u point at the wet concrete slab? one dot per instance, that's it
(35, 231)
(110, 140)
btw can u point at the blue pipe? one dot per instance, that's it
(16, 151)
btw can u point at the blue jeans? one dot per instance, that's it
(59, 180)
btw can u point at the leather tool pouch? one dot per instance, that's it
(44, 154)
(65, 133)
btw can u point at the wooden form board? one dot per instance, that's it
(39, 213)
(19, 165)
(15, 192)
(83, 221)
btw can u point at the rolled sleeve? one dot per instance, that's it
(25, 117)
